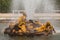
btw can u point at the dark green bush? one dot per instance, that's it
(4, 6)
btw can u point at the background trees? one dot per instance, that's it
(4, 6)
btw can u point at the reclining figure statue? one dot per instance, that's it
(30, 27)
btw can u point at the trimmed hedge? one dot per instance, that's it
(4, 6)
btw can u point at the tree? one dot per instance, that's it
(4, 6)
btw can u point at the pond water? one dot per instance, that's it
(56, 36)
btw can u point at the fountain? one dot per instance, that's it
(30, 6)
(16, 6)
(48, 6)
(45, 6)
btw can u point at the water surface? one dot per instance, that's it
(55, 23)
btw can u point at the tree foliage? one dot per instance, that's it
(4, 6)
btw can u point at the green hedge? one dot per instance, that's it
(4, 6)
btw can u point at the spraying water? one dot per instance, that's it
(48, 5)
(31, 6)
(17, 5)
(45, 6)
